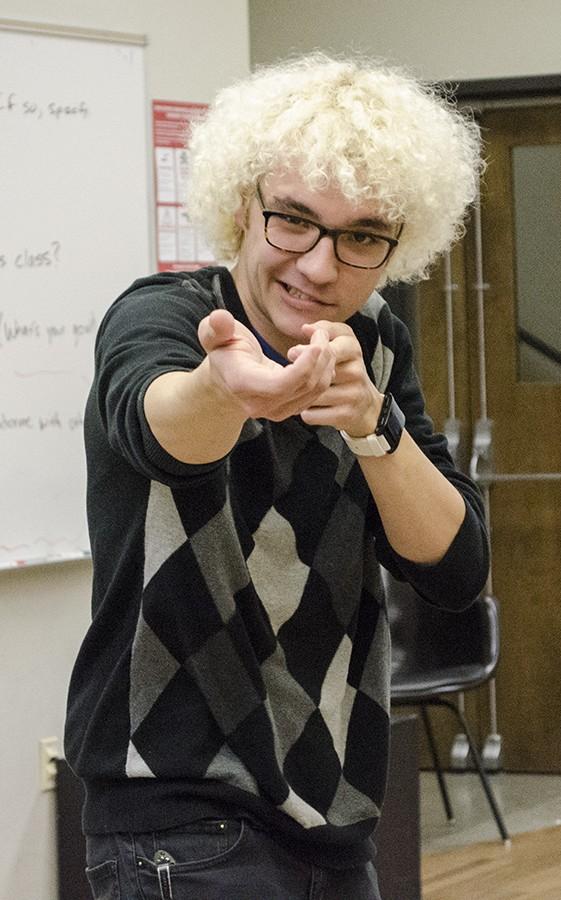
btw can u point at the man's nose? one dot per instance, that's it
(320, 264)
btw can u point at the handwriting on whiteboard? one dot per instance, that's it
(12, 104)
(50, 420)
(14, 329)
(29, 258)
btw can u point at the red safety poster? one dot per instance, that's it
(180, 246)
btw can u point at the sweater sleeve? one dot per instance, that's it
(458, 578)
(149, 330)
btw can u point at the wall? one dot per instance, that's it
(437, 39)
(194, 47)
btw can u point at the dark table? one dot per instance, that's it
(398, 835)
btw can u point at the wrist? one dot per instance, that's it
(368, 414)
(385, 436)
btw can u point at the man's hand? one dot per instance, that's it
(261, 387)
(351, 402)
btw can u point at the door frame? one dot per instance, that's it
(530, 87)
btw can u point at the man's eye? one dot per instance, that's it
(362, 238)
(296, 221)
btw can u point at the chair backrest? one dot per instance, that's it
(426, 637)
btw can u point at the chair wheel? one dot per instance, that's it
(460, 754)
(492, 753)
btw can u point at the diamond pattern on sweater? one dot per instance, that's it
(289, 705)
(169, 603)
(280, 587)
(337, 697)
(224, 681)
(229, 769)
(342, 527)
(163, 530)
(375, 678)
(213, 544)
(192, 740)
(135, 765)
(297, 699)
(311, 637)
(299, 695)
(350, 806)
(317, 784)
(151, 669)
(365, 760)
(298, 809)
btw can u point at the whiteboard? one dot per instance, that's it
(74, 232)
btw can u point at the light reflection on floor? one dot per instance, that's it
(528, 802)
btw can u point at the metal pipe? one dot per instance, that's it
(516, 476)
(480, 287)
(449, 288)
(493, 706)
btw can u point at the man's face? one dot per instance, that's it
(281, 291)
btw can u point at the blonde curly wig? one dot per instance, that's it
(372, 131)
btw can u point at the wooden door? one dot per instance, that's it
(521, 241)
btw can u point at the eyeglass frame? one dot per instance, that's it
(333, 233)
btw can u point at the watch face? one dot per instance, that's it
(385, 412)
(391, 422)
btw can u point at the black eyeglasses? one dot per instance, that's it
(296, 234)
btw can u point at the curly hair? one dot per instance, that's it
(373, 131)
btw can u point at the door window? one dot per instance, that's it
(536, 180)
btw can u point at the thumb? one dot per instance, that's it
(216, 329)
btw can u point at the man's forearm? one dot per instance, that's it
(190, 417)
(421, 511)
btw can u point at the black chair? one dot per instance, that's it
(437, 654)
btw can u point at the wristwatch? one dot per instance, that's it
(386, 435)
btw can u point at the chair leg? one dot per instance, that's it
(482, 775)
(438, 768)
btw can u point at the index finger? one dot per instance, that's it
(333, 329)
(320, 336)
(310, 362)
(342, 339)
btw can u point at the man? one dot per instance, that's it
(257, 445)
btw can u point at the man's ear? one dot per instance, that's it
(241, 216)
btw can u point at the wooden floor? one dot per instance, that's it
(529, 870)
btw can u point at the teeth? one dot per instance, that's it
(298, 294)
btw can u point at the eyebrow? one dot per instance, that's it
(291, 205)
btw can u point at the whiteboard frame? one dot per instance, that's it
(90, 34)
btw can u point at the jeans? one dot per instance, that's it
(227, 859)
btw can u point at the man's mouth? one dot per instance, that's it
(303, 297)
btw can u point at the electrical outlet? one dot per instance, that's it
(48, 754)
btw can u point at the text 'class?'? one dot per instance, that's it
(30, 258)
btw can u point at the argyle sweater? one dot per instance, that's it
(239, 652)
